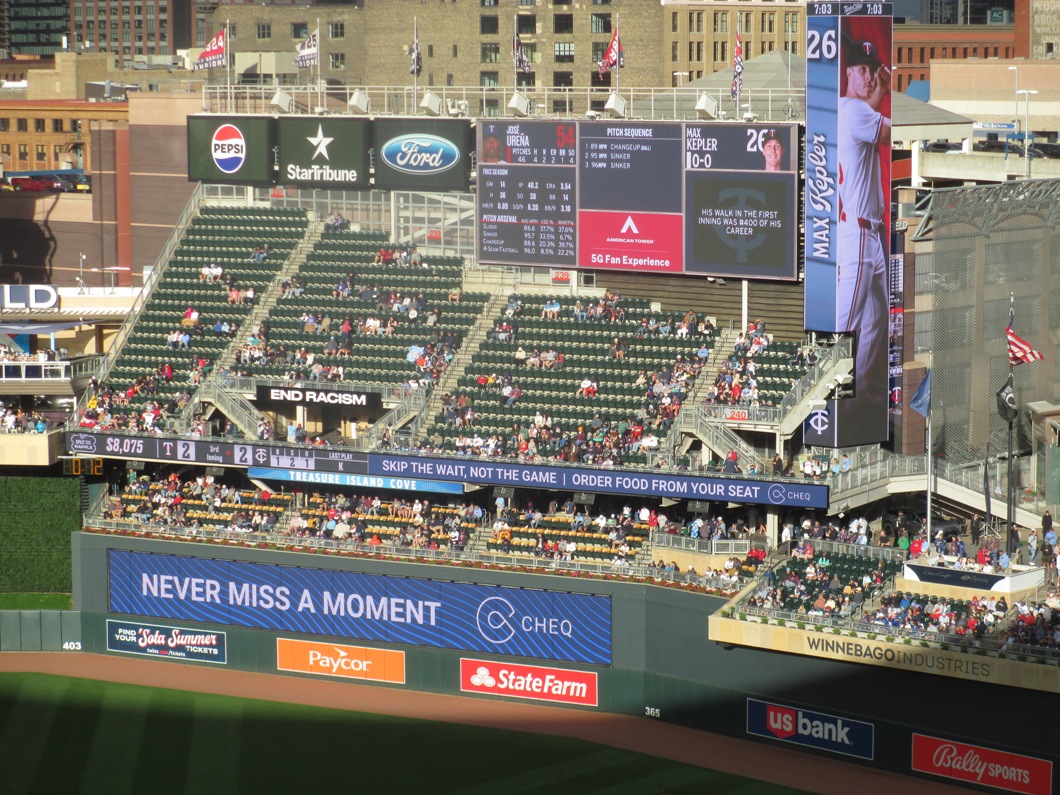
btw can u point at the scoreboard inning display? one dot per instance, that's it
(654, 197)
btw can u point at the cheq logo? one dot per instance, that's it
(348, 662)
(984, 766)
(557, 685)
(420, 154)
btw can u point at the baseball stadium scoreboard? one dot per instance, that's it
(649, 197)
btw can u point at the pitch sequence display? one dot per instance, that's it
(714, 199)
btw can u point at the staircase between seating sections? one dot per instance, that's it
(244, 414)
(476, 334)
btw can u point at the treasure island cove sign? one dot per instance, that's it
(340, 467)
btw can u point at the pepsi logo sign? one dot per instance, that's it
(228, 148)
(420, 154)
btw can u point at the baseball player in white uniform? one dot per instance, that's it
(862, 256)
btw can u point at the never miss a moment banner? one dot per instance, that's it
(548, 625)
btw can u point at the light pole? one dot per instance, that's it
(1016, 94)
(1027, 131)
(81, 272)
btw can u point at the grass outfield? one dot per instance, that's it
(61, 735)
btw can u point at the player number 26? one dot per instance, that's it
(822, 45)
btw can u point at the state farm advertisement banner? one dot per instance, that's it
(984, 766)
(555, 685)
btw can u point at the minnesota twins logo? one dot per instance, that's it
(739, 230)
(818, 420)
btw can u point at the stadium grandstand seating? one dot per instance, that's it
(219, 235)
(588, 352)
(383, 357)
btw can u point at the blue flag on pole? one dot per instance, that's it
(921, 402)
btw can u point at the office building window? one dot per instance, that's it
(488, 25)
(600, 23)
(264, 30)
(563, 23)
(564, 51)
(491, 52)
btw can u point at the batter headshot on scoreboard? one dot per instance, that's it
(772, 151)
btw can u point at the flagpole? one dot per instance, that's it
(320, 66)
(415, 72)
(616, 69)
(1010, 503)
(930, 450)
(228, 64)
(515, 61)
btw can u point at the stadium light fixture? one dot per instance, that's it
(432, 104)
(707, 106)
(281, 101)
(616, 105)
(360, 103)
(520, 105)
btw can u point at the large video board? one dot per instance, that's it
(707, 199)
(848, 164)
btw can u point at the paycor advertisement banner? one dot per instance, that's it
(848, 172)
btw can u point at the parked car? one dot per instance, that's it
(5, 184)
(59, 184)
(948, 147)
(1048, 150)
(82, 184)
(31, 184)
(998, 147)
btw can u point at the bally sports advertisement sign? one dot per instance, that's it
(987, 767)
(230, 149)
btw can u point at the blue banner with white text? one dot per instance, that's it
(546, 625)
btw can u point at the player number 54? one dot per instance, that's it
(822, 45)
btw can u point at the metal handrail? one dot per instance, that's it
(165, 256)
(298, 543)
(763, 104)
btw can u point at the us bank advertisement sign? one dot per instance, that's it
(847, 205)
(323, 152)
(230, 149)
(422, 154)
(547, 625)
(811, 729)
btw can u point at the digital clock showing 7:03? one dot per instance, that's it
(849, 9)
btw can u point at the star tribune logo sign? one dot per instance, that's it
(319, 155)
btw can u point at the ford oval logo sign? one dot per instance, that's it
(420, 154)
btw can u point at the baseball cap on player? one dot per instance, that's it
(864, 52)
(771, 135)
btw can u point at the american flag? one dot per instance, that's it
(519, 54)
(1019, 350)
(737, 70)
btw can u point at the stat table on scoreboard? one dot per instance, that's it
(526, 203)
